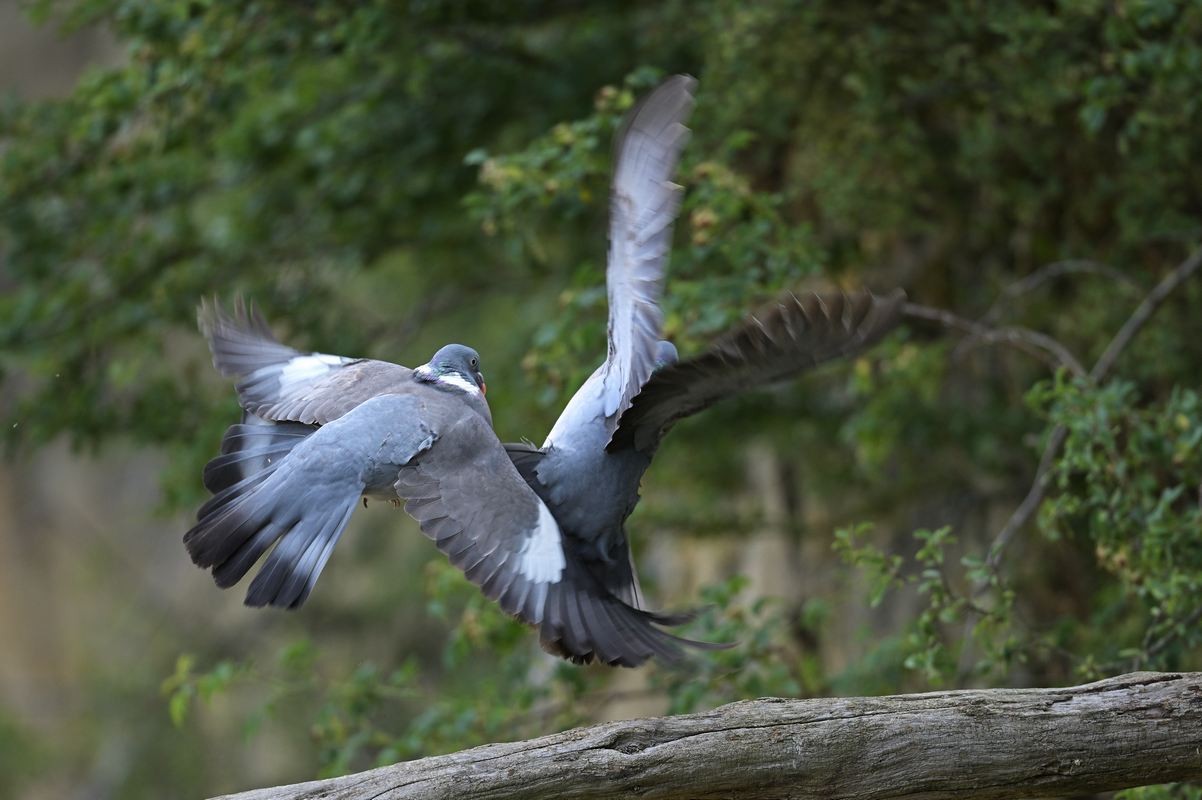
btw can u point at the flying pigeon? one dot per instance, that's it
(589, 467)
(291, 470)
(319, 432)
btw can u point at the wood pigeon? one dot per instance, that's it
(541, 532)
(319, 432)
(590, 465)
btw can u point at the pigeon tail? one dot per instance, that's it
(584, 622)
(264, 498)
(250, 448)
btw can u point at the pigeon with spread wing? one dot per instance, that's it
(589, 467)
(320, 432)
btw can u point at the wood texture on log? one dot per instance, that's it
(1132, 730)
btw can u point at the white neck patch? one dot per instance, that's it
(457, 380)
(453, 379)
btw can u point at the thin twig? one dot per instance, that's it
(1143, 313)
(1101, 370)
(1164, 641)
(1033, 343)
(1050, 272)
(1030, 504)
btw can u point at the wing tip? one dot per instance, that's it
(819, 325)
(661, 113)
(229, 333)
(212, 316)
(679, 89)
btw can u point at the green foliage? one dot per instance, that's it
(883, 570)
(760, 661)
(742, 247)
(22, 755)
(1168, 791)
(369, 716)
(185, 685)
(386, 177)
(1128, 484)
(933, 643)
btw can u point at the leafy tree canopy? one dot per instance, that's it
(385, 177)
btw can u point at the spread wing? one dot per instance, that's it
(615, 570)
(292, 506)
(643, 205)
(452, 470)
(279, 383)
(472, 501)
(796, 334)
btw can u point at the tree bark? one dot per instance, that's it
(1132, 730)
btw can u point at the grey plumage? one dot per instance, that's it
(319, 432)
(302, 501)
(250, 448)
(277, 382)
(540, 530)
(590, 465)
(642, 208)
(590, 479)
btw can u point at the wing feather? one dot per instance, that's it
(470, 499)
(643, 206)
(796, 334)
(281, 384)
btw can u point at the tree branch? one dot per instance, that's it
(1139, 318)
(1101, 370)
(1034, 343)
(1128, 731)
(1050, 272)
(1167, 639)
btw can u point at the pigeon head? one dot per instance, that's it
(454, 365)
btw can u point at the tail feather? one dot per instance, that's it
(291, 570)
(285, 504)
(597, 618)
(617, 573)
(560, 608)
(582, 621)
(231, 493)
(669, 618)
(246, 555)
(251, 448)
(667, 646)
(253, 434)
(661, 646)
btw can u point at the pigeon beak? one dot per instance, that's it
(480, 382)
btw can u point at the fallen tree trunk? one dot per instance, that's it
(1132, 730)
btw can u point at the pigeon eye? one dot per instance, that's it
(475, 363)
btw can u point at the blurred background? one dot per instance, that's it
(386, 177)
